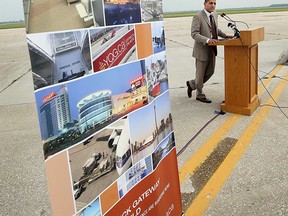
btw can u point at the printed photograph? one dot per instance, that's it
(164, 124)
(151, 10)
(91, 210)
(143, 132)
(134, 175)
(157, 76)
(146, 133)
(99, 161)
(98, 12)
(158, 37)
(47, 15)
(68, 114)
(59, 57)
(163, 149)
(112, 46)
(119, 12)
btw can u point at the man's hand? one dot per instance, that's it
(212, 41)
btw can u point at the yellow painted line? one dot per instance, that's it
(205, 150)
(214, 185)
(261, 89)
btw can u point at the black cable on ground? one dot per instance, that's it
(194, 137)
(270, 105)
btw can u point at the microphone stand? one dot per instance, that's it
(231, 25)
(234, 21)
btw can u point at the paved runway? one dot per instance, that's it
(247, 154)
(252, 178)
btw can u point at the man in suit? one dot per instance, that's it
(205, 33)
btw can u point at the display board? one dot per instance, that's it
(101, 88)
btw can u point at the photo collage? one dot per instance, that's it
(102, 99)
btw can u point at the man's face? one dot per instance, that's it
(210, 5)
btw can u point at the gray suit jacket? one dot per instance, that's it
(201, 32)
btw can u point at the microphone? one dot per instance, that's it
(234, 21)
(236, 31)
(223, 15)
(232, 25)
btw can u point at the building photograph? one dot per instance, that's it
(55, 113)
(152, 129)
(107, 96)
(59, 57)
(94, 110)
(163, 149)
(156, 73)
(163, 115)
(143, 132)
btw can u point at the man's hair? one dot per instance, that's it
(206, 1)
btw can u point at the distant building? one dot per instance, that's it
(54, 113)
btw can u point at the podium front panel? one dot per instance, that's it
(236, 76)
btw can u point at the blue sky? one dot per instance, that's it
(12, 10)
(163, 104)
(142, 127)
(92, 210)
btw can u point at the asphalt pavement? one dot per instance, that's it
(251, 177)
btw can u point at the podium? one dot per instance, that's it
(241, 72)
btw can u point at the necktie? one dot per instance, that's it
(214, 33)
(213, 27)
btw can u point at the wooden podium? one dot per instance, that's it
(241, 72)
